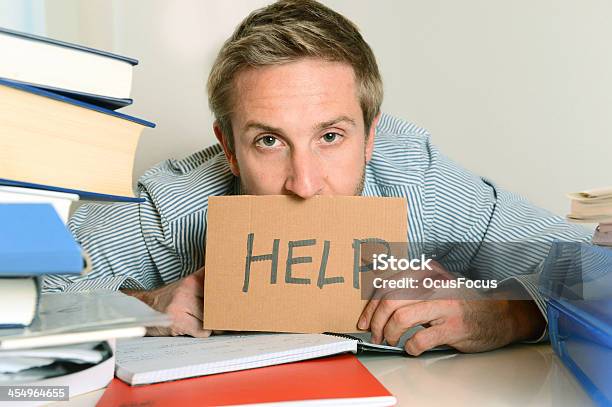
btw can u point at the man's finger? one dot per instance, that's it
(381, 315)
(386, 307)
(411, 294)
(199, 275)
(192, 326)
(426, 339)
(366, 314)
(379, 295)
(195, 307)
(409, 316)
(200, 333)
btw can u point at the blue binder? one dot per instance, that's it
(35, 241)
(577, 282)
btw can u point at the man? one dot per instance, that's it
(296, 94)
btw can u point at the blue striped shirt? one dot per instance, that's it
(143, 246)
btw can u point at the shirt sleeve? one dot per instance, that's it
(127, 244)
(485, 232)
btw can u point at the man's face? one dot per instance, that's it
(298, 129)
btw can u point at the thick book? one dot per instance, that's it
(597, 210)
(338, 380)
(18, 301)
(67, 318)
(592, 206)
(34, 241)
(50, 140)
(60, 201)
(75, 70)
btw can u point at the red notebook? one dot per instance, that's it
(338, 380)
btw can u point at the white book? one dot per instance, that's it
(60, 65)
(18, 300)
(66, 318)
(81, 382)
(15, 362)
(160, 359)
(591, 195)
(61, 201)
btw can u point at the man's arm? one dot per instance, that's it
(183, 300)
(113, 237)
(130, 250)
(475, 226)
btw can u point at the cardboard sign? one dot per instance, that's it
(284, 264)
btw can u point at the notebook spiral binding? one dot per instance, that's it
(346, 336)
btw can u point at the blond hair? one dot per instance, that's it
(284, 32)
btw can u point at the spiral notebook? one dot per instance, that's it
(159, 359)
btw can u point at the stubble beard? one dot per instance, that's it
(361, 185)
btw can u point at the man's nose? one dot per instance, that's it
(305, 177)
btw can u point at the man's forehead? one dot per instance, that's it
(301, 69)
(322, 92)
(306, 78)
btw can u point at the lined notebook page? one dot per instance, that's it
(159, 359)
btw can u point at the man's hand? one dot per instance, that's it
(183, 300)
(459, 320)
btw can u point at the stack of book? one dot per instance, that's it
(33, 242)
(60, 141)
(55, 130)
(594, 206)
(71, 342)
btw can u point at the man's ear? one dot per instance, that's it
(229, 154)
(369, 148)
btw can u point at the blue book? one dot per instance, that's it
(67, 142)
(35, 241)
(84, 73)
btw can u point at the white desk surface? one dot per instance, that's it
(519, 375)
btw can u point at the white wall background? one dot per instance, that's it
(519, 91)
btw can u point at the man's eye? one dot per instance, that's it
(331, 137)
(267, 141)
